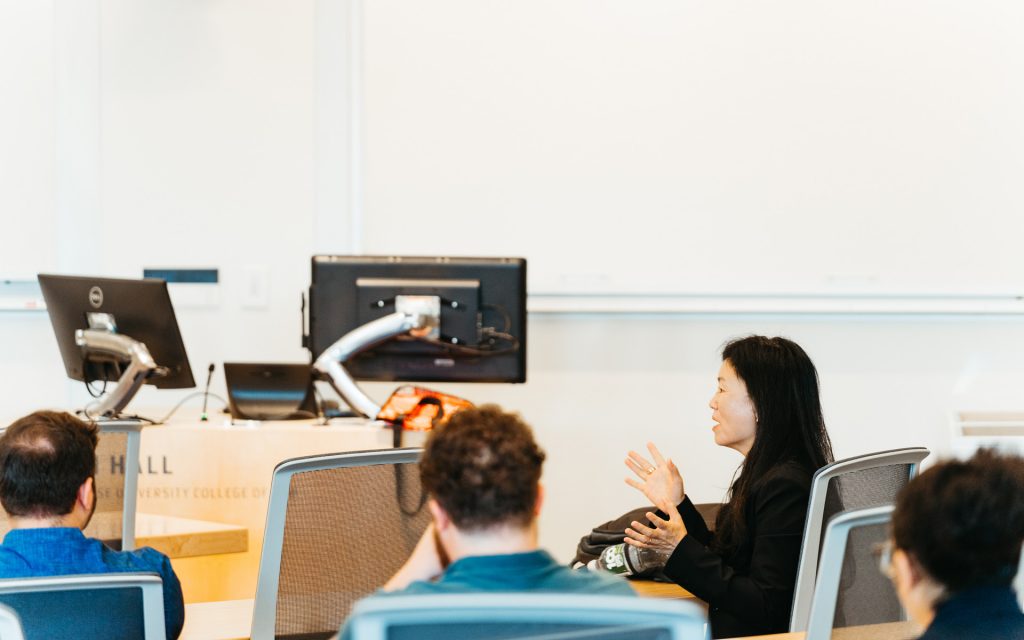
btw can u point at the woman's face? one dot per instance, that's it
(735, 422)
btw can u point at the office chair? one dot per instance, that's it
(850, 540)
(10, 624)
(870, 480)
(109, 606)
(338, 526)
(526, 615)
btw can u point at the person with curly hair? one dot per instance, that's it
(956, 541)
(482, 472)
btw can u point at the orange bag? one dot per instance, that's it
(420, 409)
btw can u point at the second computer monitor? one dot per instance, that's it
(483, 316)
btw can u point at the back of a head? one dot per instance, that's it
(963, 522)
(483, 467)
(44, 458)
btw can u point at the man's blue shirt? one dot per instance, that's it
(61, 551)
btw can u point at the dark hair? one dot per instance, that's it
(483, 467)
(783, 386)
(963, 522)
(44, 458)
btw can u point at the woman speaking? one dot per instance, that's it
(767, 408)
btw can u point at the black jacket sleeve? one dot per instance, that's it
(695, 525)
(759, 599)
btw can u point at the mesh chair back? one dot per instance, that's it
(871, 480)
(10, 625)
(338, 527)
(526, 615)
(850, 586)
(118, 606)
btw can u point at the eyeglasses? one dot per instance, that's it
(883, 551)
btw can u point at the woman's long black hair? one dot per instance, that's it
(783, 386)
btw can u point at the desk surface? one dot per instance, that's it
(170, 535)
(652, 589)
(187, 538)
(225, 620)
(232, 620)
(887, 631)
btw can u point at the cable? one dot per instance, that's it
(183, 401)
(504, 314)
(478, 350)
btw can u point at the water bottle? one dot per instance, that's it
(628, 560)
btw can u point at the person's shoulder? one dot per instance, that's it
(13, 564)
(142, 559)
(585, 581)
(788, 473)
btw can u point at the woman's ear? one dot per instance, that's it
(540, 500)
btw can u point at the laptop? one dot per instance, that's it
(270, 391)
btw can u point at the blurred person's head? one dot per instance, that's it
(47, 470)
(957, 526)
(482, 471)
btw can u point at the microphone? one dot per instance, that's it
(206, 392)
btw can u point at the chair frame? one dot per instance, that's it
(10, 624)
(371, 618)
(151, 584)
(133, 429)
(264, 616)
(826, 589)
(807, 570)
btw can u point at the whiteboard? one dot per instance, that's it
(27, 143)
(680, 147)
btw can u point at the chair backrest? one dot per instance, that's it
(117, 481)
(526, 615)
(870, 480)
(849, 545)
(107, 606)
(10, 624)
(338, 526)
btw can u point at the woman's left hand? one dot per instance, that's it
(664, 536)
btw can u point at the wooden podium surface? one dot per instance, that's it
(219, 472)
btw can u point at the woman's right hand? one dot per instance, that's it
(660, 481)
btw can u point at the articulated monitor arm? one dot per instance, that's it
(101, 344)
(418, 315)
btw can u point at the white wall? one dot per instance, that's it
(219, 144)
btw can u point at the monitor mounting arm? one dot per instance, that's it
(100, 344)
(417, 315)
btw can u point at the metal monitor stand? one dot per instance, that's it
(99, 343)
(418, 315)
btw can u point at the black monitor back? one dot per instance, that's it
(142, 310)
(490, 296)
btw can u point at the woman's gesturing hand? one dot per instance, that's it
(660, 481)
(665, 534)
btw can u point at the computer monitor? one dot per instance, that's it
(482, 331)
(138, 309)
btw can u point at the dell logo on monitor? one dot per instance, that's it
(96, 297)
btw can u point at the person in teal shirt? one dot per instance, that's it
(482, 472)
